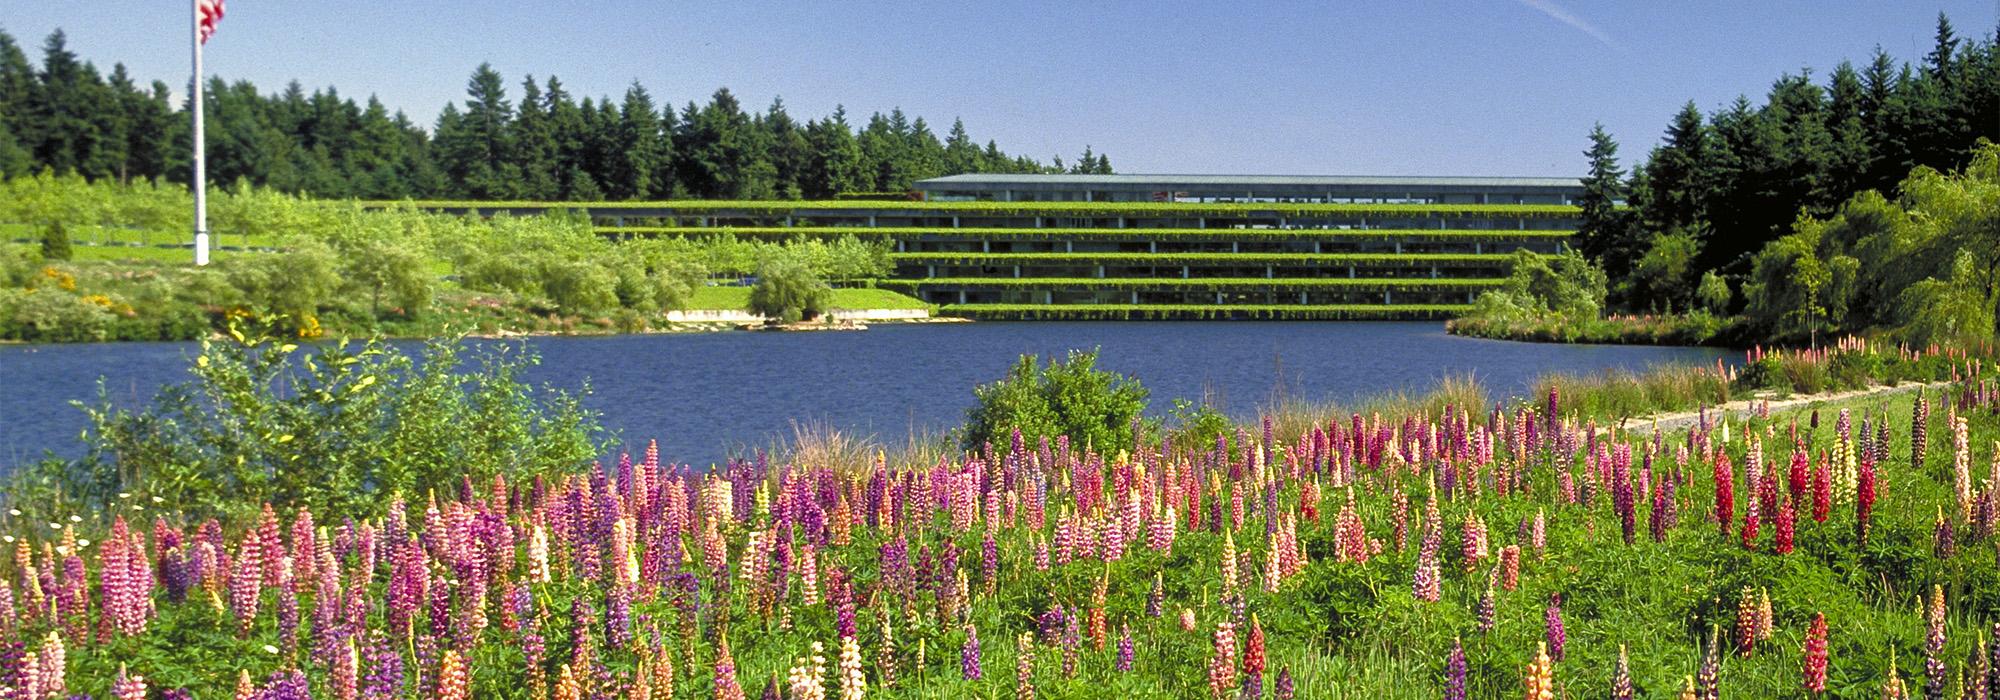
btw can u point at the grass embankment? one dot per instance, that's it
(1645, 329)
(718, 298)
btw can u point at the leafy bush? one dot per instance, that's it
(579, 287)
(336, 427)
(55, 242)
(787, 291)
(1713, 293)
(1073, 398)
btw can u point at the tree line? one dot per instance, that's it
(1723, 185)
(544, 144)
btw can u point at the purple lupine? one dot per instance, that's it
(1488, 609)
(968, 656)
(1156, 600)
(1253, 687)
(840, 593)
(176, 694)
(384, 677)
(1553, 621)
(1125, 650)
(1454, 672)
(989, 561)
(1050, 624)
(1621, 491)
(1283, 689)
(1072, 643)
(618, 617)
(286, 685)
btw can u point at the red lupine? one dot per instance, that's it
(1725, 493)
(1815, 655)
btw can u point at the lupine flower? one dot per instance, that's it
(807, 678)
(968, 655)
(1920, 415)
(1427, 584)
(1725, 493)
(1961, 467)
(1222, 663)
(1553, 626)
(1283, 690)
(245, 585)
(853, 685)
(1934, 640)
(453, 682)
(1454, 672)
(1510, 567)
(1488, 610)
(1944, 542)
(128, 686)
(1864, 504)
(1621, 677)
(1746, 622)
(1473, 542)
(1815, 655)
(1540, 678)
(1787, 519)
(1892, 687)
(725, 684)
(1156, 600)
(1024, 666)
(1124, 664)
(1253, 654)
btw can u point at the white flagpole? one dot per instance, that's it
(200, 169)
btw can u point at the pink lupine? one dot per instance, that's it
(128, 686)
(246, 584)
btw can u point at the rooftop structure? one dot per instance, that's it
(1252, 188)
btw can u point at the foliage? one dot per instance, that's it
(1738, 177)
(788, 292)
(1664, 275)
(66, 116)
(337, 428)
(1713, 294)
(55, 242)
(1566, 286)
(1928, 262)
(1070, 398)
(1165, 312)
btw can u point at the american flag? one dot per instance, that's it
(207, 12)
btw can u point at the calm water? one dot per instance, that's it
(706, 395)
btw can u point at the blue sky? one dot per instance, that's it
(1463, 87)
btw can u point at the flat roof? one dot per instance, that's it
(1162, 180)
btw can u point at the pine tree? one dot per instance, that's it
(1604, 228)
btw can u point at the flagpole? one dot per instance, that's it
(200, 169)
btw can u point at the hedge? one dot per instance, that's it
(1165, 312)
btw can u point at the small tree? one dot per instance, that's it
(1713, 293)
(789, 292)
(1072, 397)
(55, 242)
(396, 269)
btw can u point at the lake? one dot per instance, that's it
(704, 396)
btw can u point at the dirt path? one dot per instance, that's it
(1682, 419)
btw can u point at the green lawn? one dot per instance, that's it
(739, 297)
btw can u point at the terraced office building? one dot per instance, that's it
(1232, 246)
(1152, 246)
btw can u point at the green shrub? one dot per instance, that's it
(787, 291)
(55, 242)
(334, 427)
(579, 287)
(1094, 408)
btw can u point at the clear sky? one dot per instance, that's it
(1460, 87)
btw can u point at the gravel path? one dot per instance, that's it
(1683, 419)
